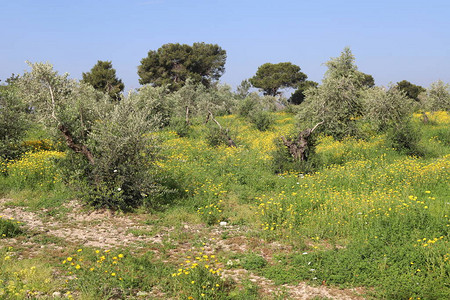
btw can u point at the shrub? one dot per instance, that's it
(385, 109)
(336, 101)
(247, 105)
(437, 97)
(262, 119)
(195, 101)
(257, 110)
(217, 136)
(124, 174)
(180, 126)
(405, 138)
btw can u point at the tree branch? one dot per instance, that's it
(53, 102)
(76, 147)
(314, 128)
(230, 141)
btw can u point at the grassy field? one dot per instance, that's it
(370, 223)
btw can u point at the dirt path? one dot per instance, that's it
(103, 229)
(99, 229)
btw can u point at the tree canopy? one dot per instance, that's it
(299, 95)
(13, 119)
(367, 80)
(436, 97)
(103, 78)
(272, 77)
(111, 157)
(412, 91)
(173, 64)
(336, 102)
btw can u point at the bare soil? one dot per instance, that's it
(105, 229)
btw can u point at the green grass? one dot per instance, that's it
(9, 228)
(369, 216)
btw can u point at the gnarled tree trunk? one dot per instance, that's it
(298, 146)
(79, 148)
(230, 141)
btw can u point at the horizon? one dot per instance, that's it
(392, 41)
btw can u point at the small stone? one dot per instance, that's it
(141, 294)
(56, 295)
(223, 223)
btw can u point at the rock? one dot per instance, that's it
(56, 295)
(223, 223)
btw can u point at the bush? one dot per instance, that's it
(437, 97)
(217, 136)
(195, 100)
(180, 126)
(124, 175)
(247, 105)
(262, 119)
(336, 101)
(257, 111)
(404, 138)
(157, 101)
(385, 109)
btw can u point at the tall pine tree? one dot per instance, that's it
(103, 78)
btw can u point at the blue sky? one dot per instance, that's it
(391, 40)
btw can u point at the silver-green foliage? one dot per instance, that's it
(196, 100)
(257, 110)
(58, 100)
(336, 101)
(437, 97)
(125, 152)
(385, 108)
(112, 152)
(13, 120)
(390, 111)
(156, 101)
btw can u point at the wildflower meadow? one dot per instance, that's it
(370, 221)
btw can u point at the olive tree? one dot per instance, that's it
(332, 108)
(336, 102)
(385, 108)
(112, 151)
(195, 100)
(13, 120)
(64, 105)
(436, 97)
(390, 111)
